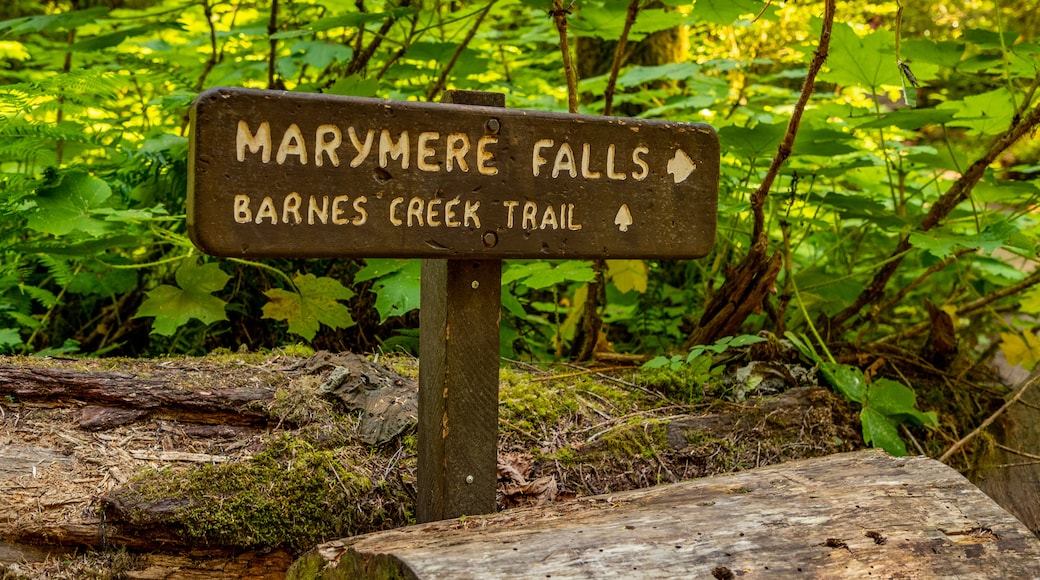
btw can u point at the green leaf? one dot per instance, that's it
(398, 293)
(910, 119)
(878, 431)
(539, 275)
(988, 113)
(67, 205)
(112, 39)
(847, 380)
(58, 21)
(942, 243)
(174, 307)
(867, 61)
(1030, 303)
(753, 143)
(628, 275)
(897, 401)
(10, 337)
(315, 302)
(725, 11)
(354, 86)
(638, 75)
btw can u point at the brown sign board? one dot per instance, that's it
(280, 174)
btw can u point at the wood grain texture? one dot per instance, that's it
(854, 515)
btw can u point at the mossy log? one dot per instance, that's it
(849, 515)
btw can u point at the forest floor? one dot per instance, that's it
(230, 466)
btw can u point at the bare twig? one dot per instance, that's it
(934, 269)
(559, 15)
(1032, 380)
(1016, 451)
(438, 86)
(619, 53)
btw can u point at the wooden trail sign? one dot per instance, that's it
(280, 174)
(462, 185)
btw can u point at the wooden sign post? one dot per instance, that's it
(462, 184)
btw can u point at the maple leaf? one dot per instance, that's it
(1021, 349)
(315, 302)
(174, 306)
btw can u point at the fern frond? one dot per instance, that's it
(59, 269)
(45, 297)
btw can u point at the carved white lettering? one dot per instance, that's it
(484, 156)
(243, 215)
(362, 149)
(424, 151)
(611, 174)
(458, 147)
(564, 161)
(586, 158)
(261, 141)
(292, 144)
(449, 213)
(291, 206)
(537, 161)
(266, 211)
(315, 211)
(393, 211)
(398, 150)
(644, 169)
(327, 147)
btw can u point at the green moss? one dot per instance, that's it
(290, 495)
(637, 437)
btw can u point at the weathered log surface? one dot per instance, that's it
(850, 515)
(139, 394)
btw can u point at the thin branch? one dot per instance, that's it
(619, 55)
(360, 60)
(758, 198)
(958, 192)
(934, 269)
(559, 15)
(272, 27)
(1032, 380)
(969, 308)
(207, 10)
(438, 86)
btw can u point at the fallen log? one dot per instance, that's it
(141, 395)
(850, 515)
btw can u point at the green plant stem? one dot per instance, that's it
(50, 311)
(808, 320)
(263, 266)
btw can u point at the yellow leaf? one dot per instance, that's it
(1031, 301)
(628, 275)
(1021, 349)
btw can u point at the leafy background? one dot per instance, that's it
(94, 96)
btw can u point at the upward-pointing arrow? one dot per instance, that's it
(623, 219)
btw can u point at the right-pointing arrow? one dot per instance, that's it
(681, 166)
(623, 219)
